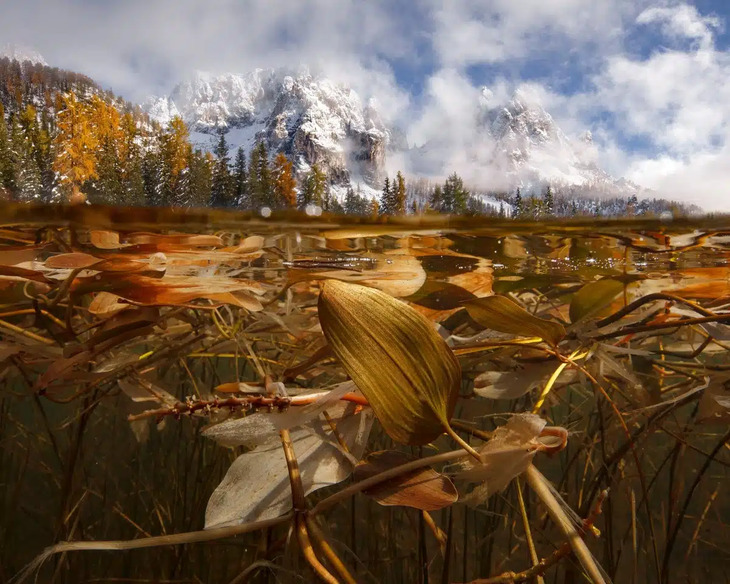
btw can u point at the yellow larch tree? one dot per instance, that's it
(284, 182)
(75, 143)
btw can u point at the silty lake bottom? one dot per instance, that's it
(130, 337)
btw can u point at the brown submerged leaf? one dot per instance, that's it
(71, 261)
(423, 489)
(106, 304)
(393, 354)
(504, 315)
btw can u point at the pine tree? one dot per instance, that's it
(399, 195)
(240, 181)
(285, 185)
(221, 194)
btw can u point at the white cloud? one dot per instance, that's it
(139, 47)
(682, 21)
(468, 32)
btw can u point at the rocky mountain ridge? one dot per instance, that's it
(311, 119)
(314, 120)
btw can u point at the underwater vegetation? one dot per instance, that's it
(217, 398)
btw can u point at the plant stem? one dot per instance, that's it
(539, 484)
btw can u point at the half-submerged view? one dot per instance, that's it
(321, 292)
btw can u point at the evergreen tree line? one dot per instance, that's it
(550, 205)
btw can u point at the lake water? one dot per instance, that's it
(159, 316)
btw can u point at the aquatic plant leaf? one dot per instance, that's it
(106, 304)
(502, 314)
(256, 485)
(506, 455)
(394, 355)
(105, 239)
(71, 260)
(175, 290)
(514, 384)
(423, 489)
(594, 297)
(440, 296)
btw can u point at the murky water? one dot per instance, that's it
(123, 332)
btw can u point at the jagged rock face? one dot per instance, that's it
(312, 120)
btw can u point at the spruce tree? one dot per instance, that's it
(221, 190)
(240, 181)
(455, 197)
(27, 185)
(6, 161)
(518, 205)
(200, 179)
(386, 199)
(264, 181)
(436, 202)
(254, 189)
(314, 188)
(549, 202)
(399, 195)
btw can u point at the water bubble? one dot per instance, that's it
(313, 210)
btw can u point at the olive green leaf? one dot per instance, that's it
(502, 314)
(393, 354)
(594, 297)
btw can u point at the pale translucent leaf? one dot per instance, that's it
(257, 486)
(506, 455)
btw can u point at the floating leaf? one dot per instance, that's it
(394, 355)
(505, 315)
(594, 297)
(423, 489)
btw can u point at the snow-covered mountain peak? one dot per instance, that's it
(23, 54)
(309, 117)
